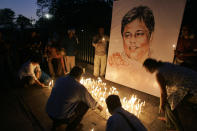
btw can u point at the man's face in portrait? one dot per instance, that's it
(136, 40)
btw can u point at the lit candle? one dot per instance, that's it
(174, 47)
(100, 92)
(103, 39)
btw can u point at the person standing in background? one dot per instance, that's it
(70, 47)
(100, 42)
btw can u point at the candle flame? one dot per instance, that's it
(51, 83)
(100, 92)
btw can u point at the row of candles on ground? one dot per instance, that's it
(100, 92)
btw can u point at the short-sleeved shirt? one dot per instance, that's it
(179, 82)
(28, 69)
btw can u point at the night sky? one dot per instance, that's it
(24, 7)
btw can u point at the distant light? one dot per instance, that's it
(174, 46)
(33, 22)
(82, 30)
(48, 16)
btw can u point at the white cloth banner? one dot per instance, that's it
(142, 29)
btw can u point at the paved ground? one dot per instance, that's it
(24, 109)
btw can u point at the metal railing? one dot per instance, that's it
(85, 48)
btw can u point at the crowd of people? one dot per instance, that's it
(61, 53)
(70, 100)
(41, 60)
(56, 53)
(23, 53)
(178, 89)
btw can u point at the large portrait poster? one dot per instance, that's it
(141, 29)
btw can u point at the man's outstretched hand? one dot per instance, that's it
(100, 108)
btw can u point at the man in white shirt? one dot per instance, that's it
(100, 43)
(30, 72)
(121, 120)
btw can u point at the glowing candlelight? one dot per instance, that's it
(100, 92)
(174, 46)
(50, 84)
(103, 39)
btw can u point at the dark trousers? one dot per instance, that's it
(74, 121)
(183, 117)
(55, 67)
(28, 80)
(172, 119)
